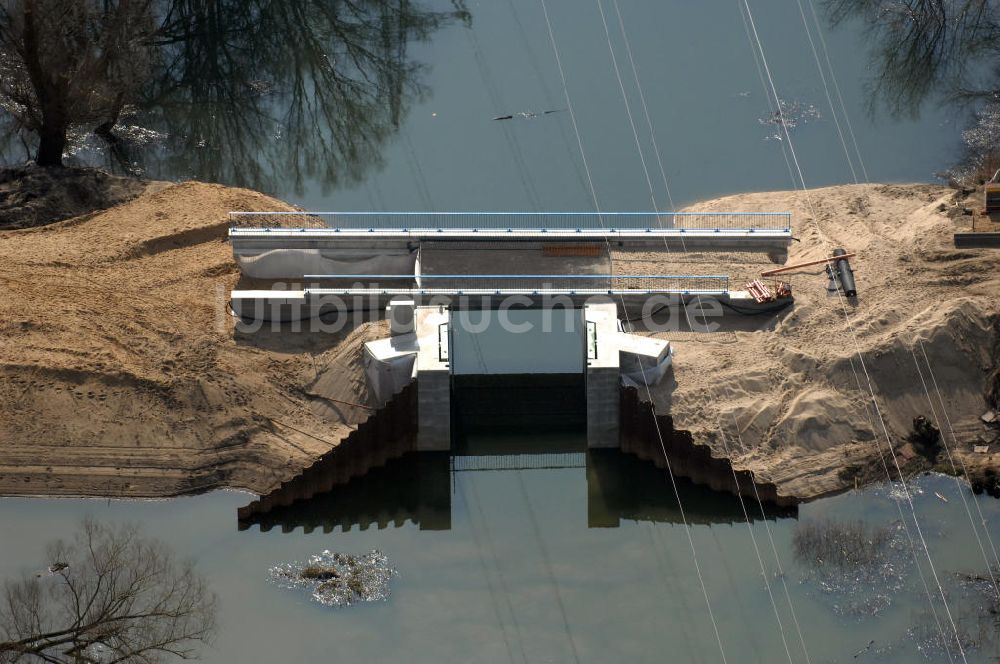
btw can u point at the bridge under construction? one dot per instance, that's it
(329, 260)
(429, 272)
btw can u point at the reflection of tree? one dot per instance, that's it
(924, 46)
(927, 47)
(840, 544)
(109, 595)
(248, 90)
(257, 92)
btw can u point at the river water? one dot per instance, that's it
(556, 557)
(443, 149)
(702, 89)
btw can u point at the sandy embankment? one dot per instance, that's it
(791, 387)
(119, 370)
(120, 373)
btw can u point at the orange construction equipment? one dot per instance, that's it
(759, 291)
(762, 294)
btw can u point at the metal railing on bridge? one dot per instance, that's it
(459, 284)
(514, 221)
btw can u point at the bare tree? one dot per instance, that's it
(109, 595)
(250, 92)
(71, 62)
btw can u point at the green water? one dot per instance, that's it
(583, 559)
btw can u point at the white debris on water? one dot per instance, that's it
(788, 116)
(899, 491)
(338, 579)
(937, 644)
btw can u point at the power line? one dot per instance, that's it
(826, 88)
(954, 468)
(496, 563)
(513, 145)
(763, 84)
(770, 537)
(530, 52)
(753, 539)
(642, 159)
(489, 581)
(954, 438)
(645, 108)
(628, 107)
(902, 518)
(864, 368)
(836, 87)
(597, 207)
(912, 353)
(417, 172)
(548, 565)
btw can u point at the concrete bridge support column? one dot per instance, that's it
(433, 411)
(603, 375)
(602, 407)
(433, 371)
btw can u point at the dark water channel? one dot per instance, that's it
(553, 556)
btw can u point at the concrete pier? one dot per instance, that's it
(433, 380)
(602, 375)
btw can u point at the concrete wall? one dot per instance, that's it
(602, 407)
(517, 341)
(433, 411)
(433, 380)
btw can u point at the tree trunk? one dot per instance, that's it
(104, 129)
(51, 143)
(52, 133)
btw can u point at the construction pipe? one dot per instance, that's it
(845, 273)
(789, 268)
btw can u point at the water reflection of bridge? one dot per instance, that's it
(418, 488)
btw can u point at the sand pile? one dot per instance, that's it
(120, 372)
(789, 391)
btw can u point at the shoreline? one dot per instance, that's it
(140, 389)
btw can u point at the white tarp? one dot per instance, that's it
(296, 263)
